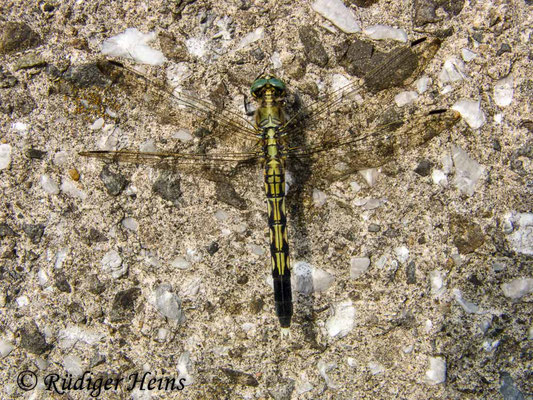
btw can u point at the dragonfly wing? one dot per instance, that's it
(113, 86)
(337, 158)
(396, 68)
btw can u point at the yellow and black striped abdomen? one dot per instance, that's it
(279, 244)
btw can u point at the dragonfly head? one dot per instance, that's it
(266, 81)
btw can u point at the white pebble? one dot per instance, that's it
(370, 175)
(452, 71)
(183, 135)
(402, 254)
(336, 12)
(323, 369)
(42, 277)
(468, 55)
(468, 171)
(180, 263)
(221, 215)
(518, 288)
(319, 198)
(162, 334)
(498, 118)
(437, 283)
(381, 32)
(148, 146)
(184, 367)
(342, 321)
(358, 266)
(375, 368)
(503, 91)
(250, 38)
(22, 301)
(408, 349)
(133, 44)
(72, 190)
(73, 334)
(406, 97)
(519, 228)
(276, 60)
(49, 185)
(447, 162)
(437, 371)
(372, 204)
(5, 155)
(309, 279)
(72, 365)
(60, 157)
(489, 346)
(20, 127)
(196, 47)
(61, 256)
(257, 250)
(5, 348)
(439, 177)
(469, 307)
(355, 186)
(130, 224)
(471, 112)
(422, 84)
(446, 89)
(112, 264)
(98, 124)
(190, 287)
(167, 303)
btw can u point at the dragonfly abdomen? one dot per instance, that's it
(277, 224)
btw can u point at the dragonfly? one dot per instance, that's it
(270, 136)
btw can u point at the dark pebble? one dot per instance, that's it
(358, 57)
(7, 80)
(423, 168)
(411, 273)
(213, 248)
(6, 231)
(95, 236)
(508, 389)
(34, 231)
(258, 54)
(17, 36)
(240, 378)
(256, 306)
(504, 48)
(226, 193)
(313, 49)
(61, 283)
(167, 186)
(364, 3)
(86, 75)
(467, 236)
(77, 313)
(115, 183)
(35, 154)
(94, 285)
(32, 339)
(123, 308)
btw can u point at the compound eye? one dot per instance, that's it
(257, 86)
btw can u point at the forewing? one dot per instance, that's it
(339, 156)
(396, 68)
